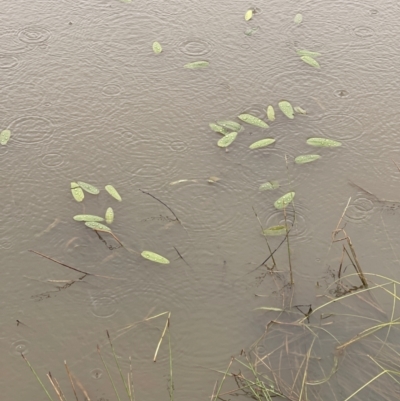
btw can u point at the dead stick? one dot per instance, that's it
(70, 379)
(147, 193)
(162, 336)
(360, 272)
(340, 220)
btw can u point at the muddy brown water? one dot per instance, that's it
(87, 99)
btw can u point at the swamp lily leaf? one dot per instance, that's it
(298, 19)
(299, 110)
(323, 142)
(275, 230)
(253, 120)
(197, 64)
(109, 215)
(157, 48)
(154, 257)
(5, 136)
(269, 185)
(308, 53)
(227, 140)
(219, 129)
(270, 113)
(87, 217)
(262, 144)
(77, 192)
(97, 226)
(284, 200)
(286, 109)
(88, 188)
(302, 159)
(113, 192)
(232, 125)
(249, 15)
(310, 61)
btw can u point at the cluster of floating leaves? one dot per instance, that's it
(309, 57)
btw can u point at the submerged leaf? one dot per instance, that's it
(77, 192)
(286, 109)
(310, 61)
(157, 48)
(275, 230)
(298, 19)
(308, 53)
(154, 257)
(270, 113)
(5, 136)
(253, 120)
(249, 15)
(218, 128)
(262, 144)
(299, 110)
(97, 226)
(88, 188)
(323, 142)
(232, 125)
(87, 217)
(227, 140)
(197, 64)
(113, 192)
(302, 159)
(109, 215)
(251, 31)
(213, 180)
(269, 185)
(284, 200)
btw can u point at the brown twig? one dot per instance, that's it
(70, 379)
(56, 387)
(147, 193)
(162, 336)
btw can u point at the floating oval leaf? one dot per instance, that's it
(270, 113)
(249, 15)
(275, 230)
(87, 217)
(308, 53)
(299, 110)
(253, 120)
(109, 215)
(262, 144)
(5, 136)
(227, 140)
(154, 257)
(302, 159)
(157, 48)
(298, 19)
(284, 200)
(269, 185)
(197, 64)
(88, 188)
(310, 61)
(323, 142)
(97, 226)
(286, 109)
(232, 125)
(113, 192)
(218, 128)
(77, 192)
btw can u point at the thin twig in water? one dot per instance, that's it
(108, 372)
(147, 193)
(288, 246)
(171, 380)
(162, 336)
(131, 387)
(56, 387)
(340, 220)
(181, 257)
(266, 239)
(70, 379)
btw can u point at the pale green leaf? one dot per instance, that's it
(232, 125)
(251, 31)
(270, 113)
(286, 109)
(262, 143)
(269, 186)
(249, 15)
(219, 129)
(157, 48)
(298, 19)
(299, 110)
(284, 200)
(253, 120)
(302, 159)
(77, 192)
(97, 226)
(87, 217)
(310, 61)
(197, 64)
(5, 136)
(109, 215)
(113, 192)
(154, 257)
(323, 142)
(227, 140)
(88, 188)
(275, 231)
(308, 53)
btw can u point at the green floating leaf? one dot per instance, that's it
(299, 110)
(275, 230)
(308, 53)
(219, 129)
(253, 120)
(88, 188)
(77, 192)
(270, 113)
(323, 142)
(154, 257)
(232, 125)
(5, 136)
(298, 19)
(262, 144)
(310, 61)
(249, 15)
(113, 192)
(197, 64)
(227, 140)
(286, 109)
(251, 31)
(87, 217)
(284, 200)
(269, 185)
(97, 226)
(157, 48)
(302, 159)
(109, 215)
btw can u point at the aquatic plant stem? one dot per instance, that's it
(171, 380)
(56, 387)
(70, 379)
(266, 239)
(223, 379)
(108, 372)
(162, 336)
(288, 247)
